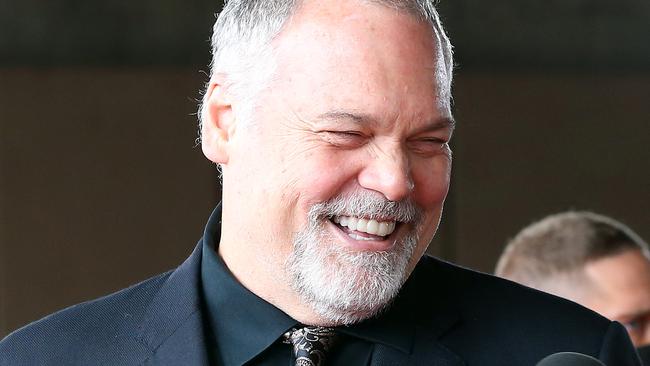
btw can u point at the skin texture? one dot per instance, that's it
(620, 290)
(352, 106)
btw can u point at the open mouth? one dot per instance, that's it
(365, 229)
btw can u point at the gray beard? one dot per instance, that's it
(343, 286)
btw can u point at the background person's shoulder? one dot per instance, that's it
(86, 333)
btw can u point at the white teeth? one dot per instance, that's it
(362, 225)
(382, 229)
(359, 237)
(352, 223)
(372, 227)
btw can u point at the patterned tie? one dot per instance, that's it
(310, 344)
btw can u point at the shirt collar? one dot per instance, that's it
(392, 329)
(244, 324)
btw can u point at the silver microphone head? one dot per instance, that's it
(569, 359)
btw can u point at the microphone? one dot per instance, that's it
(569, 359)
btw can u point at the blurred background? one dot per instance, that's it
(102, 184)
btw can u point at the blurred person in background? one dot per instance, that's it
(588, 258)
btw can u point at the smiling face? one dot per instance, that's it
(346, 161)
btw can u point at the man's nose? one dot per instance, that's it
(388, 174)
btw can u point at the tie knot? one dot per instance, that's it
(310, 344)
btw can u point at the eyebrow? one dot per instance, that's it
(339, 114)
(363, 118)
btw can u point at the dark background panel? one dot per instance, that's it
(105, 33)
(101, 184)
(575, 35)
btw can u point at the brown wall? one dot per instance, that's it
(531, 145)
(101, 185)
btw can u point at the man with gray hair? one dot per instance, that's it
(330, 122)
(588, 258)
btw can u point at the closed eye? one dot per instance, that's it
(346, 139)
(429, 146)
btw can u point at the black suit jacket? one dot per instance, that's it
(457, 317)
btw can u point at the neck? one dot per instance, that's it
(260, 270)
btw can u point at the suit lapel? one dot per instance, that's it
(425, 302)
(427, 349)
(173, 326)
(434, 354)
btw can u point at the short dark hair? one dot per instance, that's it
(563, 243)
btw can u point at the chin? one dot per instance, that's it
(347, 286)
(348, 273)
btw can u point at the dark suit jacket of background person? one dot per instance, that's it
(459, 317)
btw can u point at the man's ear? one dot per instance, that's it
(218, 123)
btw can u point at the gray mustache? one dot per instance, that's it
(367, 204)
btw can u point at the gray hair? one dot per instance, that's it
(562, 244)
(244, 29)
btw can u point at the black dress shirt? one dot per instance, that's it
(244, 329)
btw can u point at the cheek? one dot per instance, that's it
(432, 183)
(316, 176)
